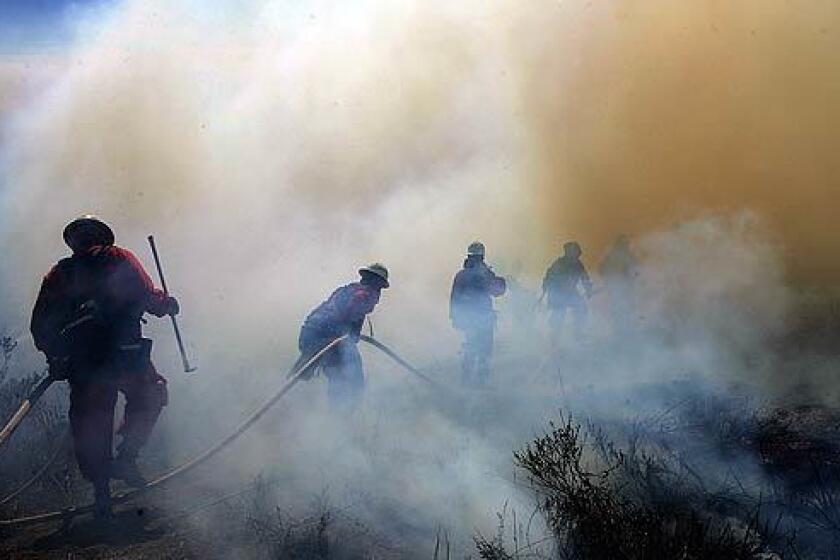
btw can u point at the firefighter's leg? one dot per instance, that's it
(92, 423)
(580, 316)
(484, 351)
(310, 342)
(469, 356)
(555, 324)
(345, 377)
(145, 397)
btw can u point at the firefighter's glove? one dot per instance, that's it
(172, 307)
(59, 367)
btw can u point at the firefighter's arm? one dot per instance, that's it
(547, 278)
(498, 285)
(43, 324)
(453, 297)
(357, 308)
(155, 300)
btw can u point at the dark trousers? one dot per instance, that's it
(92, 402)
(560, 309)
(342, 366)
(476, 351)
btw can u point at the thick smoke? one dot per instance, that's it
(643, 113)
(274, 148)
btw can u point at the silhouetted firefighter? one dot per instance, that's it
(619, 270)
(87, 321)
(471, 312)
(564, 281)
(343, 313)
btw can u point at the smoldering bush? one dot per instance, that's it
(41, 441)
(626, 503)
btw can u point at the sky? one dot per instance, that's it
(27, 25)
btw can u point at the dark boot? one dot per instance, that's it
(125, 468)
(102, 500)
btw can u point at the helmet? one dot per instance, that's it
(376, 269)
(86, 232)
(572, 248)
(476, 249)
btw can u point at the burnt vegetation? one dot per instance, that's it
(42, 440)
(707, 476)
(325, 532)
(712, 478)
(604, 502)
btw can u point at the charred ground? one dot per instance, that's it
(713, 471)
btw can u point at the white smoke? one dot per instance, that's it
(276, 147)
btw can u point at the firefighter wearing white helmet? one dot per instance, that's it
(471, 312)
(343, 313)
(476, 249)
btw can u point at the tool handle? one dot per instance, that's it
(187, 367)
(157, 264)
(184, 360)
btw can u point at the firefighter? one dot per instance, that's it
(86, 321)
(343, 313)
(471, 312)
(565, 284)
(619, 270)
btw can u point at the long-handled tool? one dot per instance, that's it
(24, 408)
(187, 367)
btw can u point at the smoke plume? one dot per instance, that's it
(274, 148)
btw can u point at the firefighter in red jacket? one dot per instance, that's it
(343, 313)
(86, 321)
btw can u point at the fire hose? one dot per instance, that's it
(394, 356)
(60, 446)
(45, 383)
(298, 372)
(122, 497)
(24, 408)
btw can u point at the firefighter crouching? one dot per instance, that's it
(86, 321)
(343, 313)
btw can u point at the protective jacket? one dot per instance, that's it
(562, 280)
(343, 312)
(473, 290)
(92, 302)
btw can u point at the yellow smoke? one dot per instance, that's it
(643, 113)
(280, 147)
